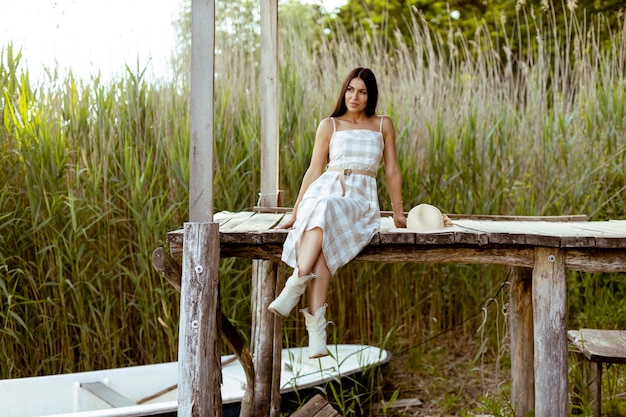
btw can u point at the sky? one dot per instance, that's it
(88, 36)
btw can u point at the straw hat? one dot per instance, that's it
(425, 218)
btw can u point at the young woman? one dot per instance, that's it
(336, 213)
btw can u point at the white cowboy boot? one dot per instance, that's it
(290, 295)
(316, 326)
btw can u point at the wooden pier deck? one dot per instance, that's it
(539, 249)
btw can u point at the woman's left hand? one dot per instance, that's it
(399, 220)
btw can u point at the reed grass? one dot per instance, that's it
(95, 174)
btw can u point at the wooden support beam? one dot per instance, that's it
(172, 271)
(549, 289)
(277, 361)
(199, 348)
(264, 276)
(522, 357)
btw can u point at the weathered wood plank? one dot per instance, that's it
(600, 345)
(590, 260)
(453, 216)
(501, 217)
(511, 232)
(597, 346)
(176, 236)
(257, 223)
(513, 255)
(568, 233)
(501, 255)
(108, 394)
(236, 220)
(549, 294)
(316, 407)
(596, 260)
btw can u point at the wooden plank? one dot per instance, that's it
(175, 237)
(493, 232)
(549, 294)
(500, 217)
(590, 260)
(609, 234)
(568, 233)
(107, 394)
(503, 255)
(257, 223)
(391, 238)
(453, 216)
(500, 255)
(236, 220)
(596, 260)
(600, 345)
(316, 407)
(522, 346)
(511, 232)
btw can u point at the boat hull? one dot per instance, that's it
(151, 390)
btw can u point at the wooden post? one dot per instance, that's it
(264, 283)
(550, 332)
(201, 111)
(277, 337)
(171, 270)
(595, 388)
(199, 348)
(521, 325)
(269, 104)
(266, 347)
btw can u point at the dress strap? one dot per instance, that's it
(334, 124)
(381, 123)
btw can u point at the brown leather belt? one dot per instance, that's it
(349, 171)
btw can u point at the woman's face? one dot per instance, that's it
(356, 95)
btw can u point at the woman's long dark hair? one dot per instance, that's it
(369, 79)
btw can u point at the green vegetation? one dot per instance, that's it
(94, 174)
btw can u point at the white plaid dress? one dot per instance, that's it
(349, 217)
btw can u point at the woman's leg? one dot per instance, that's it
(318, 288)
(312, 259)
(315, 315)
(310, 250)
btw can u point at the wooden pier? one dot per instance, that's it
(539, 249)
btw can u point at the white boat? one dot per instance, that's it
(151, 390)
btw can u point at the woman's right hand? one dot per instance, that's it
(289, 223)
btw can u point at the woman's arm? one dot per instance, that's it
(392, 172)
(319, 159)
